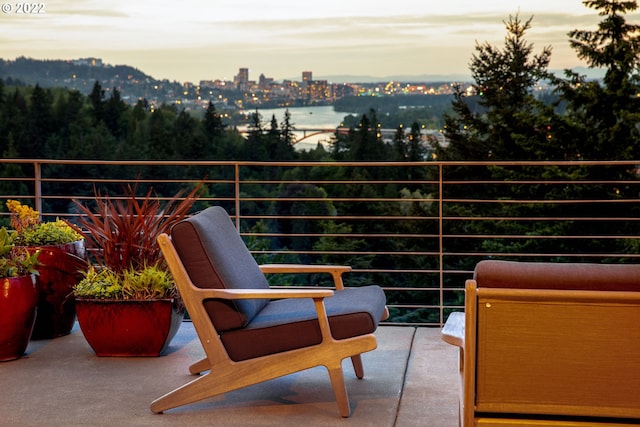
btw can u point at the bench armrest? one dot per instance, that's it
(453, 330)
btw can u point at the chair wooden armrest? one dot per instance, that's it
(336, 271)
(261, 293)
(453, 330)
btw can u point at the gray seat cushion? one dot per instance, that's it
(293, 323)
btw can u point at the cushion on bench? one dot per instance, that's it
(567, 276)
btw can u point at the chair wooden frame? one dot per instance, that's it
(486, 377)
(225, 374)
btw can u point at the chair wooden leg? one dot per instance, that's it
(357, 366)
(340, 390)
(200, 366)
(198, 389)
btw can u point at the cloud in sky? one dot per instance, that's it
(193, 40)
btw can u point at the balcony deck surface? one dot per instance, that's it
(411, 379)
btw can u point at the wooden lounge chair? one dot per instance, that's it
(251, 333)
(549, 344)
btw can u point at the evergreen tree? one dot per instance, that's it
(161, 139)
(255, 145)
(605, 114)
(500, 119)
(508, 123)
(400, 144)
(114, 110)
(39, 123)
(13, 121)
(273, 139)
(287, 128)
(189, 140)
(96, 98)
(281, 140)
(416, 151)
(69, 117)
(366, 143)
(362, 144)
(212, 122)
(341, 143)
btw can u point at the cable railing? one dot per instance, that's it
(415, 228)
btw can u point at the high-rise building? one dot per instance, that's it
(306, 77)
(242, 79)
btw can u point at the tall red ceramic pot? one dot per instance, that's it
(60, 271)
(18, 304)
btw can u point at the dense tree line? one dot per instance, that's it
(580, 119)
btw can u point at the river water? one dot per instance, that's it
(306, 117)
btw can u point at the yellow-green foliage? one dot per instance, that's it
(150, 282)
(47, 233)
(103, 283)
(29, 230)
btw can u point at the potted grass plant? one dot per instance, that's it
(18, 297)
(127, 303)
(61, 248)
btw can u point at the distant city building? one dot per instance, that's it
(307, 76)
(242, 79)
(91, 62)
(318, 90)
(265, 83)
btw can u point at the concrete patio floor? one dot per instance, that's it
(411, 379)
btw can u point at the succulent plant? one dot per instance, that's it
(29, 230)
(15, 261)
(150, 282)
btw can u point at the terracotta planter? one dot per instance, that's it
(59, 273)
(18, 302)
(128, 327)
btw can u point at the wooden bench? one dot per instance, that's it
(544, 344)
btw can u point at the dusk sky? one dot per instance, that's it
(193, 40)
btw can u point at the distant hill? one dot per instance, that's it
(81, 74)
(39, 71)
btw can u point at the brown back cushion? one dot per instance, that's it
(215, 256)
(546, 275)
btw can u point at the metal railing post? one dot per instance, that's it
(37, 187)
(440, 238)
(237, 194)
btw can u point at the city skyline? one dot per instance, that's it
(200, 40)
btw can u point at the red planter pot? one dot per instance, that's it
(18, 302)
(59, 273)
(128, 327)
